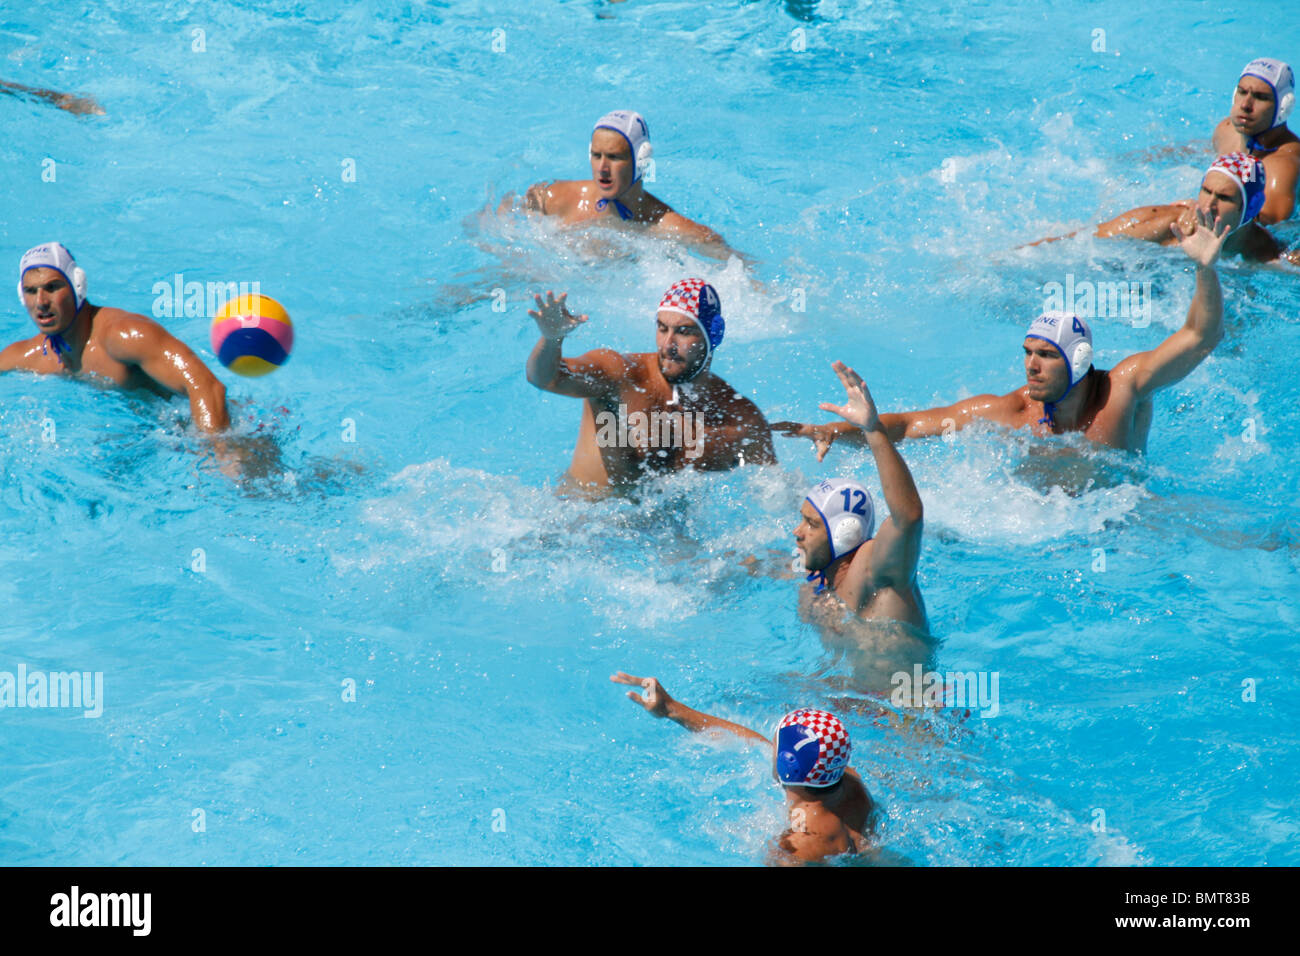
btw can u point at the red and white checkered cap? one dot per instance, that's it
(1248, 172)
(698, 301)
(833, 749)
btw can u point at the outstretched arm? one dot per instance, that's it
(918, 424)
(1177, 355)
(898, 540)
(136, 340)
(593, 375)
(657, 701)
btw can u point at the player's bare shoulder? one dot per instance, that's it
(1011, 409)
(114, 325)
(1287, 153)
(21, 355)
(730, 402)
(558, 198)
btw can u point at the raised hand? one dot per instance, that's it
(1205, 240)
(553, 319)
(858, 409)
(823, 436)
(655, 700)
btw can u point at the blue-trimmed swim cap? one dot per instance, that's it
(1281, 81)
(53, 255)
(632, 128)
(846, 511)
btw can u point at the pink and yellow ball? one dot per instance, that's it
(252, 335)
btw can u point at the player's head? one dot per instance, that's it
(51, 286)
(1233, 189)
(1264, 97)
(811, 749)
(1058, 355)
(837, 517)
(620, 152)
(689, 326)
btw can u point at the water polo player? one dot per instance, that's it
(1261, 105)
(1063, 391)
(870, 572)
(620, 156)
(829, 807)
(1256, 127)
(651, 411)
(1233, 188)
(129, 350)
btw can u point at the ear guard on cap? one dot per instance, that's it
(645, 152)
(1082, 362)
(1284, 107)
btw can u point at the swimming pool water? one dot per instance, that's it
(885, 172)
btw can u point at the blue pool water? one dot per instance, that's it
(885, 173)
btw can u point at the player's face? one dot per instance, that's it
(1252, 106)
(1220, 196)
(611, 163)
(810, 536)
(681, 346)
(49, 299)
(1045, 372)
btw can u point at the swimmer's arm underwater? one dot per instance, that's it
(79, 105)
(698, 236)
(136, 340)
(658, 703)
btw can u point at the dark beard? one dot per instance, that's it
(689, 375)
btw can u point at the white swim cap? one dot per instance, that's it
(1072, 338)
(1280, 79)
(846, 510)
(632, 128)
(53, 255)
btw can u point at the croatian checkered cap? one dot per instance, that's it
(698, 301)
(1249, 174)
(812, 748)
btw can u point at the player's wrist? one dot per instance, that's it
(874, 430)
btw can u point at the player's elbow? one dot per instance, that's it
(1210, 338)
(536, 380)
(911, 516)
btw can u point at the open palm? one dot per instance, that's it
(858, 409)
(1204, 243)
